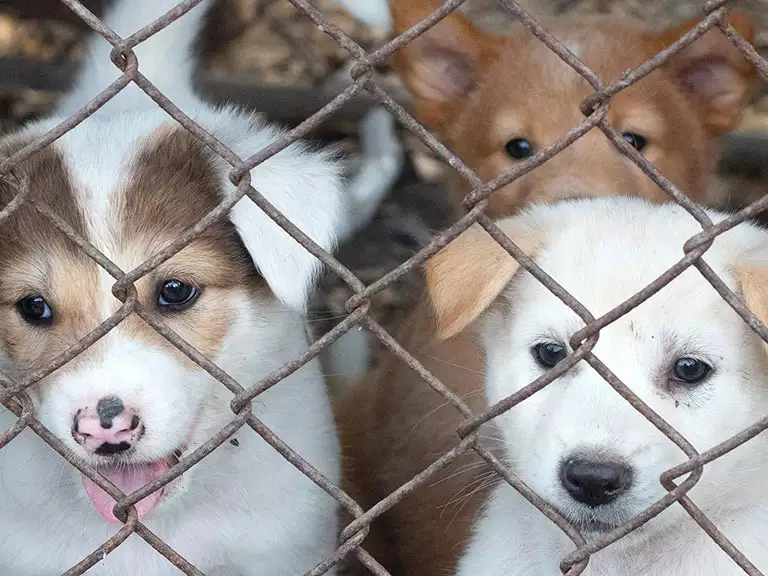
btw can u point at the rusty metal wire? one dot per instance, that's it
(14, 396)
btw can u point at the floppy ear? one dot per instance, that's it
(747, 246)
(753, 283)
(714, 72)
(442, 66)
(465, 277)
(306, 186)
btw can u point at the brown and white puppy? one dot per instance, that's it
(130, 181)
(494, 101)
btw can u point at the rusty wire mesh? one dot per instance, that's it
(13, 394)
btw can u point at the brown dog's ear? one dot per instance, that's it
(714, 72)
(753, 283)
(465, 277)
(442, 66)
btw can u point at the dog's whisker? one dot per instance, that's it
(459, 471)
(468, 489)
(462, 503)
(463, 367)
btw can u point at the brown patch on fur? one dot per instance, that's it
(173, 184)
(38, 260)
(49, 182)
(480, 84)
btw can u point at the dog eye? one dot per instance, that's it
(175, 295)
(519, 148)
(637, 141)
(691, 370)
(35, 310)
(549, 353)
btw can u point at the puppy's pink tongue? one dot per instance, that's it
(128, 479)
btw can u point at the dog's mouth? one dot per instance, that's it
(596, 526)
(595, 522)
(129, 477)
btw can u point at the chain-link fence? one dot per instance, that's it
(16, 398)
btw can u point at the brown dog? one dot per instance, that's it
(497, 100)
(494, 101)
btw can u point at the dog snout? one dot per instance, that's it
(595, 482)
(110, 428)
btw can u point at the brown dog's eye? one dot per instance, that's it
(35, 310)
(637, 141)
(175, 295)
(519, 148)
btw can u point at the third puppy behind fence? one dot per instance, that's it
(495, 101)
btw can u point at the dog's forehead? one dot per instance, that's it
(607, 45)
(604, 262)
(686, 317)
(128, 196)
(529, 77)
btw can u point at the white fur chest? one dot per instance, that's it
(514, 539)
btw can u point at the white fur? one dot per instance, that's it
(603, 251)
(243, 510)
(382, 163)
(164, 58)
(374, 13)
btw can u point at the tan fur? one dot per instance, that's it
(722, 97)
(206, 323)
(426, 82)
(754, 287)
(173, 185)
(467, 275)
(36, 258)
(66, 279)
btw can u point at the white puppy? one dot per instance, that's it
(685, 352)
(130, 180)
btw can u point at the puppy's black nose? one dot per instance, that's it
(595, 482)
(108, 408)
